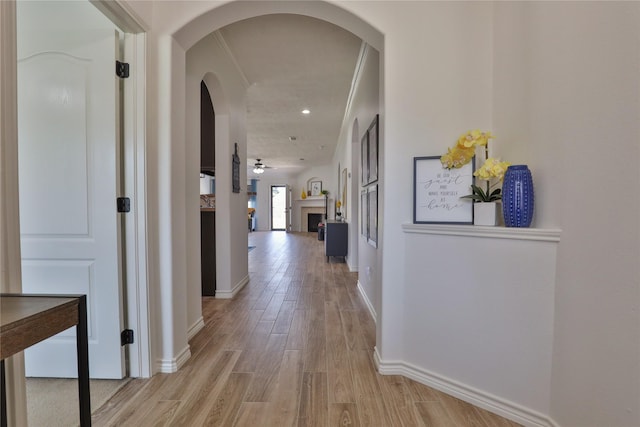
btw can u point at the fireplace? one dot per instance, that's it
(313, 219)
(304, 215)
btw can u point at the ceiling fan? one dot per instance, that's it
(259, 167)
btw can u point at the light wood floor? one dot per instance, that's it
(294, 348)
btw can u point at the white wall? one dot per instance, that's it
(208, 61)
(365, 104)
(564, 105)
(452, 66)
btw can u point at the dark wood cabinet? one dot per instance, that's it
(207, 132)
(336, 238)
(208, 252)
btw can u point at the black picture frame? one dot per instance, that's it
(316, 188)
(235, 174)
(364, 159)
(437, 192)
(364, 213)
(372, 215)
(373, 151)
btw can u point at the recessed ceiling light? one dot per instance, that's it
(306, 111)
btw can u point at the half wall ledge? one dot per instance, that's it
(539, 234)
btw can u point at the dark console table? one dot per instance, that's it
(336, 238)
(26, 320)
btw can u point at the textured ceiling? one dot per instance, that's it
(293, 62)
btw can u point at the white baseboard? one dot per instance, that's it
(168, 366)
(372, 310)
(496, 405)
(232, 293)
(195, 328)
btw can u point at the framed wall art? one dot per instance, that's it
(437, 192)
(316, 188)
(364, 159)
(373, 151)
(235, 173)
(372, 202)
(364, 214)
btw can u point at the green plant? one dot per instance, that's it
(479, 195)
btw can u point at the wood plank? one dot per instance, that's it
(368, 393)
(314, 407)
(340, 381)
(343, 415)
(162, 413)
(298, 331)
(205, 388)
(225, 408)
(267, 369)
(421, 392)
(433, 414)
(398, 400)
(273, 308)
(254, 347)
(240, 337)
(315, 355)
(285, 316)
(286, 398)
(252, 414)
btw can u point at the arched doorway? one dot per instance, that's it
(180, 309)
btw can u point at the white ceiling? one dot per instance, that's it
(293, 62)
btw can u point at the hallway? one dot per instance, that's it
(293, 348)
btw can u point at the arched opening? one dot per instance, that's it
(193, 48)
(207, 192)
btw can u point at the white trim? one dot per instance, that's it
(233, 292)
(355, 82)
(225, 47)
(169, 366)
(121, 14)
(134, 173)
(195, 328)
(372, 310)
(539, 234)
(491, 403)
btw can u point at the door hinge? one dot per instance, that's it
(124, 204)
(122, 69)
(126, 337)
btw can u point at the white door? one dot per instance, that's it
(68, 166)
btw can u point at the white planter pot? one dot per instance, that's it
(485, 213)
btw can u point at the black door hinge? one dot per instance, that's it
(124, 204)
(122, 69)
(126, 337)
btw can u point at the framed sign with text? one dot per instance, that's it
(437, 192)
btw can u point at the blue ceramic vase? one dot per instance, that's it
(517, 196)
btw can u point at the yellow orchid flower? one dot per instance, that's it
(492, 168)
(457, 157)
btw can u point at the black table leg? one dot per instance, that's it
(82, 343)
(3, 390)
